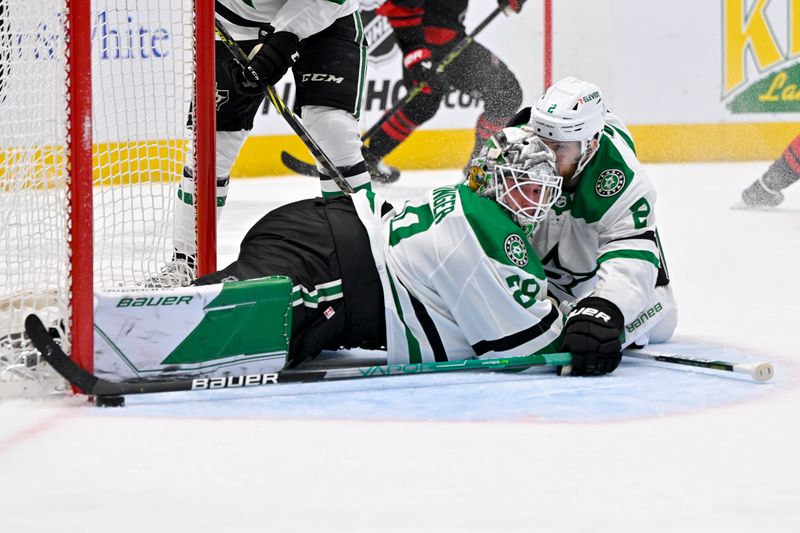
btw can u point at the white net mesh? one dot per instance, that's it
(143, 62)
(142, 88)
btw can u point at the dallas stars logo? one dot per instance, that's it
(515, 250)
(610, 182)
(562, 278)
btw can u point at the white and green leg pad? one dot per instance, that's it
(232, 328)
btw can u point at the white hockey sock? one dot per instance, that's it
(337, 133)
(184, 235)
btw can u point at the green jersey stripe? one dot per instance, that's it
(324, 292)
(414, 352)
(362, 76)
(641, 255)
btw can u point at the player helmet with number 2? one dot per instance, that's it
(571, 110)
(518, 171)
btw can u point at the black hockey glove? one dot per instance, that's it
(592, 333)
(276, 54)
(511, 6)
(419, 67)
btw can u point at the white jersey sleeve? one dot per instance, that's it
(304, 18)
(628, 255)
(460, 280)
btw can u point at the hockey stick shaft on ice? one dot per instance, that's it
(301, 167)
(758, 371)
(243, 62)
(92, 385)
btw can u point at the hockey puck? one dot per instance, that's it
(109, 401)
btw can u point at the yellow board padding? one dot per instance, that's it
(658, 143)
(753, 141)
(424, 149)
(138, 162)
(162, 160)
(117, 163)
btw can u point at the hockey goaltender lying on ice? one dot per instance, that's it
(452, 281)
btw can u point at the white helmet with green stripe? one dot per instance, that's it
(571, 110)
(517, 170)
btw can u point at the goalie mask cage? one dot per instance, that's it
(104, 106)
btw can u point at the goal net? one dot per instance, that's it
(102, 106)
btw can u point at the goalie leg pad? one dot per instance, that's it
(240, 327)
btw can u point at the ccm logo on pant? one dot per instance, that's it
(322, 77)
(590, 311)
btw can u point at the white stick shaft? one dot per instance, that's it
(758, 371)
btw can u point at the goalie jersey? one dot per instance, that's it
(601, 238)
(459, 279)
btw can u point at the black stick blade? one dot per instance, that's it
(297, 166)
(55, 356)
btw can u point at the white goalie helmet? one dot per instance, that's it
(571, 110)
(517, 170)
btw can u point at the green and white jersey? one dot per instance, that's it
(601, 238)
(304, 18)
(460, 280)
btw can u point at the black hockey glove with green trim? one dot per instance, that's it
(593, 335)
(275, 55)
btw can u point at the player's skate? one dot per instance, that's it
(758, 195)
(177, 273)
(379, 171)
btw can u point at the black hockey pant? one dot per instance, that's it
(323, 247)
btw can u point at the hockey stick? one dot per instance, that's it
(109, 393)
(243, 62)
(297, 166)
(758, 371)
(305, 169)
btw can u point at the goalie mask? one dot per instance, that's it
(517, 170)
(571, 111)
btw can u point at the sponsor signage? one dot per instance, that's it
(763, 35)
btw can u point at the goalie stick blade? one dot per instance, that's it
(297, 166)
(92, 385)
(55, 356)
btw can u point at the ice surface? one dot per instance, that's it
(650, 448)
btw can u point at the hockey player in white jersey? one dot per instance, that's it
(449, 277)
(599, 244)
(323, 42)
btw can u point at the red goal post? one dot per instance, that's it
(104, 106)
